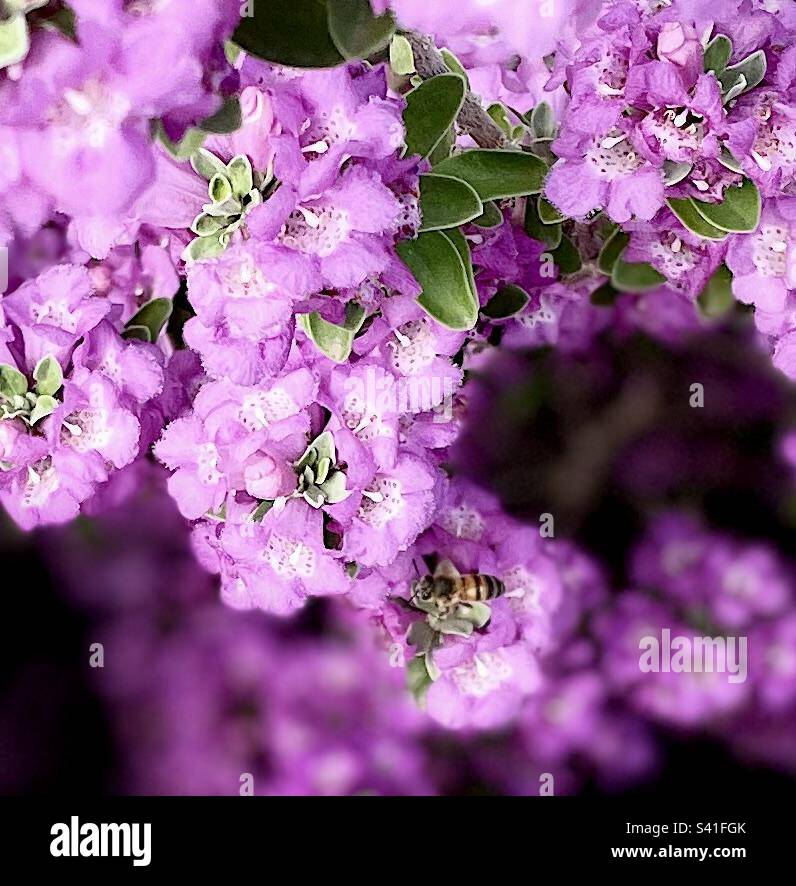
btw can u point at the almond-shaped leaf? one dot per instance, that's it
(453, 64)
(491, 217)
(459, 241)
(613, 247)
(139, 333)
(14, 41)
(355, 30)
(430, 111)
(226, 119)
(439, 270)
(543, 121)
(12, 382)
(333, 340)
(289, 32)
(536, 229)
(508, 301)
(402, 59)
(566, 257)
(203, 247)
(604, 296)
(48, 376)
(548, 214)
(154, 315)
(207, 164)
(686, 211)
(45, 406)
(717, 54)
(418, 678)
(496, 174)
(446, 202)
(239, 173)
(716, 299)
(674, 172)
(752, 69)
(477, 613)
(635, 277)
(738, 212)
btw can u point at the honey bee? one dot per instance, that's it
(442, 592)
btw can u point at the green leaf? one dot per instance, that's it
(635, 277)
(490, 218)
(139, 333)
(333, 340)
(14, 41)
(289, 32)
(543, 121)
(738, 212)
(752, 69)
(203, 247)
(261, 510)
(354, 316)
(355, 30)
(499, 113)
(549, 235)
(402, 59)
(604, 296)
(717, 54)
(459, 627)
(453, 64)
(613, 247)
(334, 488)
(548, 214)
(225, 120)
(48, 376)
(673, 172)
(207, 225)
(717, 298)
(688, 215)
(566, 257)
(437, 266)
(418, 678)
(496, 174)
(506, 302)
(220, 188)
(189, 144)
(460, 244)
(446, 202)
(206, 164)
(154, 315)
(430, 111)
(728, 160)
(239, 173)
(444, 147)
(12, 382)
(478, 614)
(420, 634)
(45, 406)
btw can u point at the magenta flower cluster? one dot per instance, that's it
(208, 268)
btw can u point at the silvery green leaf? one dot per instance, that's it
(752, 70)
(261, 510)
(717, 54)
(154, 315)
(239, 173)
(206, 164)
(331, 339)
(322, 470)
(334, 488)
(477, 613)
(14, 40)
(354, 316)
(220, 188)
(674, 172)
(48, 376)
(402, 60)
(225, 120)
(727, 160)
(431, 667)
(735, 90)
(186, 147)
(453, 64)
(459, 627)
(12, 382)
(203, 247)
(45, 406)
(139, 333)
(418, 678)
(204, 225)
(314, 496)
(499, 113)
(421, 635)
(543, 121)
(324, 446)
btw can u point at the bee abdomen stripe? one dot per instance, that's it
(496, 586)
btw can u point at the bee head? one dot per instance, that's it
(423, 589)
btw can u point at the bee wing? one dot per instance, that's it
(446, 569)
